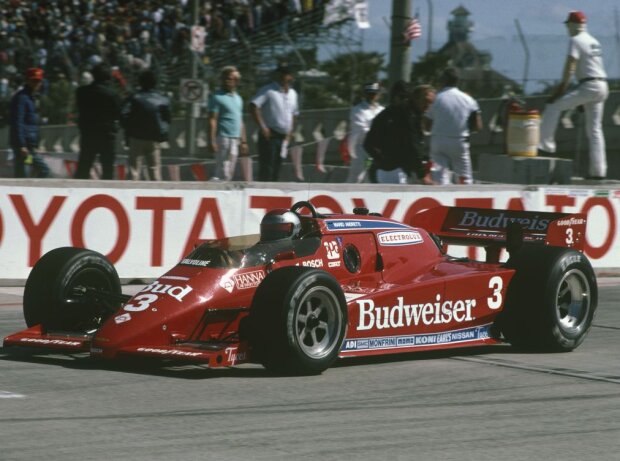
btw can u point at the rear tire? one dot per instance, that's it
(298, 321)
(53, 280)
(551, 299)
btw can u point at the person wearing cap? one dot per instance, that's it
(585, 61)
(360, 119)
(275, 110)
(24, 131)
(227, 137)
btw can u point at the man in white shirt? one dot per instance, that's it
(450, 119)
(360, 119)
(585, 61)
(275, 110)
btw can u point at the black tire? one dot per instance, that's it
(53, 280)
(298, 321)
(551, 299)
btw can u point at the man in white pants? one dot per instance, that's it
(360, 119)
(451, 118)
(585, 61)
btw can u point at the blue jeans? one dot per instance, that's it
(38, 168)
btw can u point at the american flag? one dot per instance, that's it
(413, 30)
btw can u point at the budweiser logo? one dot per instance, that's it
(405, 315)
(495, 221)
(177, 292)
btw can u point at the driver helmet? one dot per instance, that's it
(279, 224)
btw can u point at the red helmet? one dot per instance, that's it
(279, 224)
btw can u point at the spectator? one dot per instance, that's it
(399, 91)
(24, 131)
(396, 139)
(98, 109)
(73, 36)
(227, 136)
(450, 119)
(585, 60)
(146, 120)
(275, 110)
(360, 118)
(59, 101)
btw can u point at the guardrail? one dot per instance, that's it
(320, 132)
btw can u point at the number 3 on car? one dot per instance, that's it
(496, 284)
(143, 303)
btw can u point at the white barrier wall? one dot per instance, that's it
(145, 228)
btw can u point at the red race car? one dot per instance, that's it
(311, 288)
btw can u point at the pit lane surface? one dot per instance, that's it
(486, 403)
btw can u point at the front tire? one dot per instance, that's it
(53, 281)
(298, 321)
(551, 299)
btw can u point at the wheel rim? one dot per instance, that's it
(86, 314)
(573, 301)
(318, 322)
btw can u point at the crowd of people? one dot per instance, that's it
(66, 38)
(395, 137)
(386, 144)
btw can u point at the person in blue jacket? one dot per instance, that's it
(24, 132)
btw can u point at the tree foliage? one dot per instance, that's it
(347, 75)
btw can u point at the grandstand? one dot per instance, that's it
(257, 52)
(66, 38)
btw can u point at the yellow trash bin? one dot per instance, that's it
(523, 133)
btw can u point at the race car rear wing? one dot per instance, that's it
(492, 227)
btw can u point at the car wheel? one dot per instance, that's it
(56, 291)
(298, 320)
(551, 299)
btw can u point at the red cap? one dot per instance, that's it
(34, 73)
(576, 17)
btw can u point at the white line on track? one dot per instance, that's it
(542, 369)
(10, 395)
(608, 281)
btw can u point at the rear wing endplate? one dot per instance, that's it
(489, 227)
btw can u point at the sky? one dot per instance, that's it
(495, 31)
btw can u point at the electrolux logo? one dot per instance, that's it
(396, 238)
